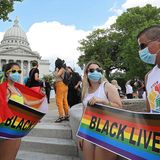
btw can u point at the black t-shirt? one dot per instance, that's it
(34, 83)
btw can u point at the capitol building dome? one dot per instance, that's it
(14, 37)
(15, 47)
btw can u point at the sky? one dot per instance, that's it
(54, 27)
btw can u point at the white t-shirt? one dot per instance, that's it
(129, 89)
(153, 89)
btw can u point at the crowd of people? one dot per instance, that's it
(67, 89)
(71, 88)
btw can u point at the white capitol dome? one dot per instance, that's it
(15, 48)
(15, 37)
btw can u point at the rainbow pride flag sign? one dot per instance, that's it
(24, 117)
(133, 135)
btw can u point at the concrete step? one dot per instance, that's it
(27, 155)
(51, 131)
(49, 145)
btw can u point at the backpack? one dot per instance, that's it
(66, 78)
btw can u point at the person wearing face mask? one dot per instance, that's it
(96, 89)
(12, 72)
(9, 148)
(149, 52)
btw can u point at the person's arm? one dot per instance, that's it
(147, 105)
(77, 85)
(148, 108)
(79, 79)
(36, 76)
(59, 72)
(30, 103)
(113, 96)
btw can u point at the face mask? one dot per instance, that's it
(94, 76)
(146, 56)
(15, 77)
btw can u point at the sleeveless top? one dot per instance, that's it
(16, 97)
(58, 78)
(153, 89)
(99, 93)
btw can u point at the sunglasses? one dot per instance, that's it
(97, 69)
(14, 71)
(144, 45)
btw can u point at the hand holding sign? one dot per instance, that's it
(24, 117)
(95, 100)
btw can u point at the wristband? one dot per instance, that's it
(109, 103)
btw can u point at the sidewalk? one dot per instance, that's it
(52, 114)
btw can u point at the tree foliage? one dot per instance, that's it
(6, 6)
(117, 47)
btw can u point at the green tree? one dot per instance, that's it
(129, 24)
(6, 6)
(117, 47)
(101, 47)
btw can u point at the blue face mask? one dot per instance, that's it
(15, 77)
(146, 56)
(94, 76)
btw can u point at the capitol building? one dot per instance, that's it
(15, 47)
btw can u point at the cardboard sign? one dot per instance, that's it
(133, 135)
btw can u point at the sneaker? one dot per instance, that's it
(60, 119)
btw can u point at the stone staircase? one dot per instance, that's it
(49, 141)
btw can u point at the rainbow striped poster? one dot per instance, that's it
(24, 118)
(130, 134)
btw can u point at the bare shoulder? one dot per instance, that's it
(109, 86)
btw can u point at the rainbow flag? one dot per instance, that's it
(133, 135)
(24, 118)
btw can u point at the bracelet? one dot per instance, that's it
(109, 103)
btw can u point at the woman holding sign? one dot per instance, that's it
(12, 72)
(96, 89)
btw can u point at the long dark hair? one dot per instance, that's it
(59, 63)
